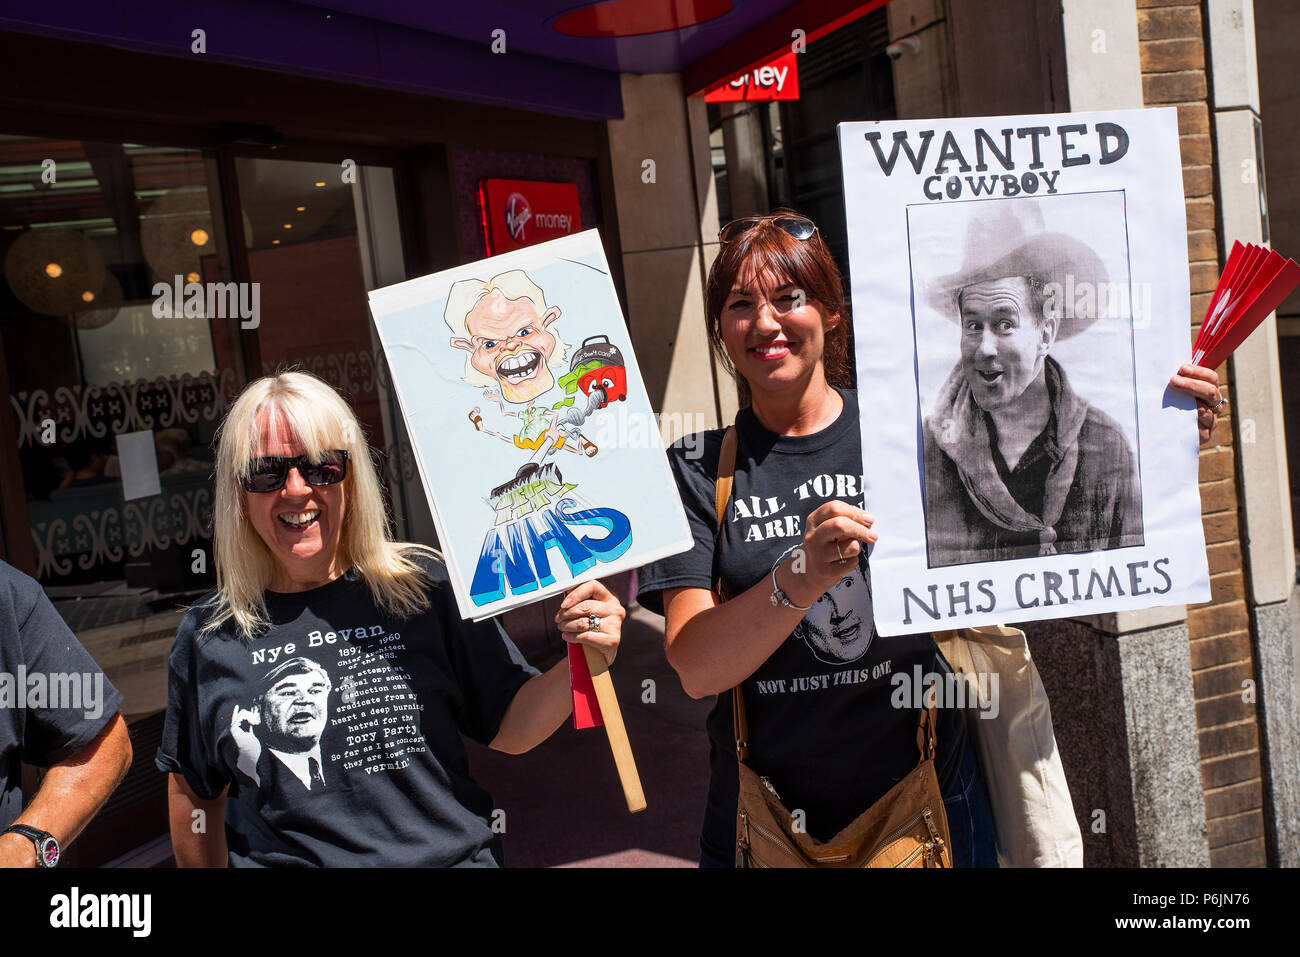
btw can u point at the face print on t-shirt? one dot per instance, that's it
(838, 628)
(294, 709)
(284, 725)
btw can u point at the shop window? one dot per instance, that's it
(89, 231)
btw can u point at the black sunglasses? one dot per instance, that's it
(270, 473)
(800, 227)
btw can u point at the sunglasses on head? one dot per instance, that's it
(269, 474)
(800, 227)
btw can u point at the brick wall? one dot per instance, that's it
(1173, 50)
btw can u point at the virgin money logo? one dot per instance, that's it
(518, 215)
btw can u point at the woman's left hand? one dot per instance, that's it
(1201, 384)
(574, 618)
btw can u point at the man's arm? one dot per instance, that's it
(72, 793)
(198, 827)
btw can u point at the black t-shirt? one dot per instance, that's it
(54, 699)
(338, 728)
(821, 724)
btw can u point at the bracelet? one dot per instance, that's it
(778, 596)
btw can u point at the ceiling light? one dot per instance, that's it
(47, 269)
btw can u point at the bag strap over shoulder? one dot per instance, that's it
(726, 473)
(722, 495)
(925, 732)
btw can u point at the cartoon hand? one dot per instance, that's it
(242, 722)
(491, 395)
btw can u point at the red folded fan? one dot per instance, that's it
(1253, 284)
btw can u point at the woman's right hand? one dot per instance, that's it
(834, 534)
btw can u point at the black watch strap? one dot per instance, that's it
(47, 846)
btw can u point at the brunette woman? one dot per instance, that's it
(824, 728)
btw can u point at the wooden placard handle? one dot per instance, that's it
(613, 721)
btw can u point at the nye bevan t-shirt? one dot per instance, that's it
(338, 728)
(821, 724)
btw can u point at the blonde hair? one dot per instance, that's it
(465, 294)
(320, 420)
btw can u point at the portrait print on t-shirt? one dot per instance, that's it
(279, 734)
(311, 720)
(838, 628)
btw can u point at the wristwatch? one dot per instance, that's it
(47, 846)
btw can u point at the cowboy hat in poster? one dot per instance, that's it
(530, 423)
(1020, 300)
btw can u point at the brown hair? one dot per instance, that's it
(766, 249)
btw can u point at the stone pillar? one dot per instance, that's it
(742, 141)
(668, 227)
(1121, 694)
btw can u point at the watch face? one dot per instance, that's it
(49, 852)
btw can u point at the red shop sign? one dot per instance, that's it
(775, 80)
(521, 212)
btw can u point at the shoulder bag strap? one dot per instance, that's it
(726, 472)
(721, 495)
(925, 733)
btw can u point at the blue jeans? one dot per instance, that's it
(970, 820)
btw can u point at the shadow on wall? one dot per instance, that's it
(665, 302)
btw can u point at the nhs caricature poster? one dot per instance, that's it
(1020, 300)
(530, 422)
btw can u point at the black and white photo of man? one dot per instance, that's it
(838, 627)
(279, 736)
(1017, 462)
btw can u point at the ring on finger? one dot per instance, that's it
(838, 552)
(593, 623)
(1223, 400)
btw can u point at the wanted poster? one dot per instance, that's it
(530, 422)
(1020, 300)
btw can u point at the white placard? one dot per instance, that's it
(1020, 300)
(139, 464)
(530, 422)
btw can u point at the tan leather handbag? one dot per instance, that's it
(905, 828)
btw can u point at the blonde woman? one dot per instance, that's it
(316, 699)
